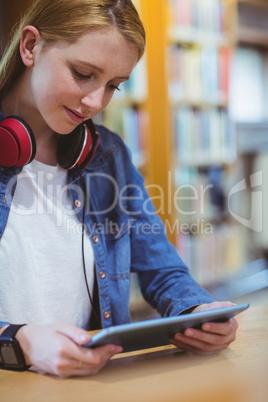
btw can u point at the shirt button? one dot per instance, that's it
(114, 229)
(77, 203)
(102, 274)
(106, 315)
(96, 239)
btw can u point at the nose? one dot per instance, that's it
(95, 101)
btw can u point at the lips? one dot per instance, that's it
(74, 115)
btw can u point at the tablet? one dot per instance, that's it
(157, 332)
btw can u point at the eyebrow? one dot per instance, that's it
(97, 68)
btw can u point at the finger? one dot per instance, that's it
(222, 328)
(87, 371)
(200, 349)
(207, 337)
(77, 335)
(202, 340)
(97, 356)
(81, 363)
(213, 306)
(95, 360)
(69, 368)
(81, 367)
(200, 344)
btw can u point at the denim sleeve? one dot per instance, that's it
(2, 323)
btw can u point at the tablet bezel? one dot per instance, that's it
(158, 332)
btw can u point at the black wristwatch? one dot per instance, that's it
(10, 350)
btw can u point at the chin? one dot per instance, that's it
(63, 132)
(59, 124)
(63, 129)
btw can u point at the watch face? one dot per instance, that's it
(10, 351)
(11, 354)
(8, 354)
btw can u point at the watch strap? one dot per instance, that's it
(11, 330)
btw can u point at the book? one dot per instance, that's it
(203, 137)
(247, 87)
(212, 256)
(209, 74)
(133, 134)
(196, 18)
(199, 74)
(224, 66)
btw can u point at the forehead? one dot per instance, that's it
(107, 34)
(100, 44)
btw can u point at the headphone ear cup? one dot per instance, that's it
(78, 148)
(70, 147)
(17, 142)
(94, 143)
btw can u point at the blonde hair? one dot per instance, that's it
(67, 20)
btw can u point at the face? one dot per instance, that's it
(70, 83)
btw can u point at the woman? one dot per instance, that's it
(62, 67)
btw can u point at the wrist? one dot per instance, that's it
(22, 339)
(3, 328)
(189, 310)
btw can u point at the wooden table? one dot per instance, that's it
(238, 374)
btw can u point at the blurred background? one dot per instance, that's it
(195, 117)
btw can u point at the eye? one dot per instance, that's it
(80, 76)
(114, 87)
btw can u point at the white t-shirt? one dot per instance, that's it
(41, 269)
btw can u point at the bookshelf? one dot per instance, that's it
(250, 26)
(218, 66)
(199, 41)
(199, 52)
(247, 21)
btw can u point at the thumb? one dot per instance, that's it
(77, 335)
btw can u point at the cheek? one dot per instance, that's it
(51, 85)
(107, 99)
(42, 84)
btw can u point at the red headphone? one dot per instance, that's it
(18, 148)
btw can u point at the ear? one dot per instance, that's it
(30, 40)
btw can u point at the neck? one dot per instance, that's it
(46, 151)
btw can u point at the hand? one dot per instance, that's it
(57, 349)
(214, 336)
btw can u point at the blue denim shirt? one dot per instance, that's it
(126, 234)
